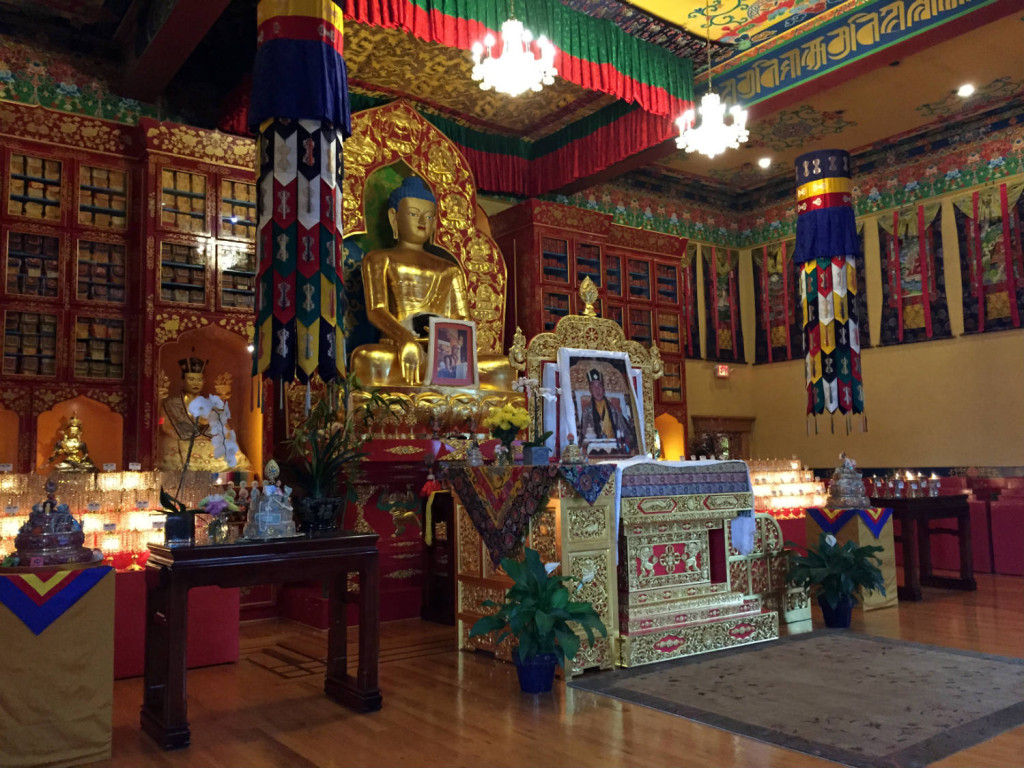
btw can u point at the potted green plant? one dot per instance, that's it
(836, 574)
(537, 611)
(327, 446)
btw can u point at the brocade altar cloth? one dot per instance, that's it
(57, 698)
(832, 520)
(40, 598)
(501, 500)
(588, 480)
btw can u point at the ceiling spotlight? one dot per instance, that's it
(764, 162)
(965, 90)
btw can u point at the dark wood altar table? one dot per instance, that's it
(172, 571)
(915, 516)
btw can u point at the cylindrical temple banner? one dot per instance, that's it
(300, 112)
(827, 248)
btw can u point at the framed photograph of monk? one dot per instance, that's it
(451, 353)
(599, 403)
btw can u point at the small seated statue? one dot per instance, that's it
(70, 453)
(404, 287)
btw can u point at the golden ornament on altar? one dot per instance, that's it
(404, 287)
(71, 454)
(588, 292)
(178, 428)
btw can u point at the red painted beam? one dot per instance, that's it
(148, 73)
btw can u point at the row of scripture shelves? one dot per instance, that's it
(34, 265)
(38, 189)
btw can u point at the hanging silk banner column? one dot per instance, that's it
(300, 113)
(826, 248)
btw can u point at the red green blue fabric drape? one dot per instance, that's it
(514, 166)
(593, 53)
(827, 247)
(301, 112)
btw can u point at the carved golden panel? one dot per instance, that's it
(170, 325)
(667, 559)
(43, 399)
(64, 129)
(674, 643)
(469, 544)
(587, 523)
(543, 535)
(200, 144)
(396, 132)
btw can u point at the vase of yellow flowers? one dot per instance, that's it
(504, 424)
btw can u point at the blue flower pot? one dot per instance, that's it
(537, 673)
(838, 617)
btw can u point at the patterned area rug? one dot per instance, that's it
(856, 699)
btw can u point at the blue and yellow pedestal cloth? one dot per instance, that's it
(57, 696)
(866, 527)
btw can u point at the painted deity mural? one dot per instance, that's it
(722, 327)
(913, 278)
(988, 225)
(776, 303)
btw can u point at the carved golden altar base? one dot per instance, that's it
(677, 595)
(580, 536)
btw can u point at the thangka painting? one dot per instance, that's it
(991, 266)
(913, 277)
(722, 308)
(692, 344)
(777, 304)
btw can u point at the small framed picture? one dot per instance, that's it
(599, 402)
(451, 353)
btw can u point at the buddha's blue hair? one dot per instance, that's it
(412, 186)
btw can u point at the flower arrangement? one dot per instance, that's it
(836, 573)
(215, 506)
(212, 416)
(535, 396)
(538, 610)
(505, 423)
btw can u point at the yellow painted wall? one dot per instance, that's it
(952, 402)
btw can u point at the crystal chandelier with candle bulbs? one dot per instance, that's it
(713, 136)
(516, 70)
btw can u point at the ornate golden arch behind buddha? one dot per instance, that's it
(395, 132)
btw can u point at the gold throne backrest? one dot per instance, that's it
(590, 332)
(394, 133)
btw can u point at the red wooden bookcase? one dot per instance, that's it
(550, 248)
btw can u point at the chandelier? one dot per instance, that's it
(713, 136)
(516, 70)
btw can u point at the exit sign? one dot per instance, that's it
(721, 371)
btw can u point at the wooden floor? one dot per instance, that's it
(446, 708)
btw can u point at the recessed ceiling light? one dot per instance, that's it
(965, 90)
(764, 162)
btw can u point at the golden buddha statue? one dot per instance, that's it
(404, 287)
(71, 454)
(178, 428)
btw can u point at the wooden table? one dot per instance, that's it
(915, 516)
(172, 571)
